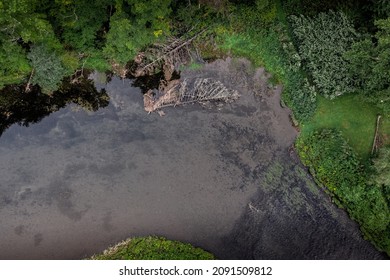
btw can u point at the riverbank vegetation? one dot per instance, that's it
(332, 58)
(153, 248)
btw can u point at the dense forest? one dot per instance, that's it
(332, 58)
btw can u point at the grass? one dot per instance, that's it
(260, 48)
(153, 248)
(354, 118)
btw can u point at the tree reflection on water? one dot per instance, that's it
(19, 107)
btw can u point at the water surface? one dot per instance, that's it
(221, 177)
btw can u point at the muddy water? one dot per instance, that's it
(222, 178)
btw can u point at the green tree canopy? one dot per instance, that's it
(322, 40)
(369, 65)
(134, 25)
(370, 59)
(20, 25)
(48, 69)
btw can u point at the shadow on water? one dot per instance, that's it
(19, 107)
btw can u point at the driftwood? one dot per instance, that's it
(198, 91)
(167, 58)
(28, 86)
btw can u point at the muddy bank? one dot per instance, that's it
(222, 178)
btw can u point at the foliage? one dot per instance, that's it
(48, 69)
(335, 165)
(299, 94)
(333, 160)
(314, 7)
(14, 65)
(381, 8)
(370, 64)
(79, 22)
(322, 41)
(381, 166)
(19, 24)
(153, 248)
(130, 32)
(269, 45)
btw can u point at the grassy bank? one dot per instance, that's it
(153, 248)
(354, 118)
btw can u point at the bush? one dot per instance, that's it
(369, 65)
(322, 41)
(381, 170)
(299, 94)
(48, 68)
(335, 165)
(333, 161)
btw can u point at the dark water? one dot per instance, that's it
(223, 178)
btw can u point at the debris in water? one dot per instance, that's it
(198, 91)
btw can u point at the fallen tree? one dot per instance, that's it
(198, 90)
(166, 56)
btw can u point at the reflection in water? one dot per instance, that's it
(22, 108)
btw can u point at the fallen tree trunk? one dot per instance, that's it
(198, 91)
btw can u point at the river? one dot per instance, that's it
(220, 177)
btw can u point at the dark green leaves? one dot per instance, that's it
(335, 165)
(322, 41)
(48, 69)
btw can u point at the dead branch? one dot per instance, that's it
(252, 208)
(176, 52)
(27, 89)
(375, 142)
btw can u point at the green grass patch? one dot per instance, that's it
(260, 48)
(153, 248)
(354, 118)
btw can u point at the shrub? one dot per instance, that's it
(369, 65)
(381, 171)
(48, 68)
(322, 41)
(299, 94)
(335, 165)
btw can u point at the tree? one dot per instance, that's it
(20, 25)
(322, 41)
(369, 65)
(369, 59)
(14, 65)
(48, 69)
(134, 25)
(381, 7)
(81, 24)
